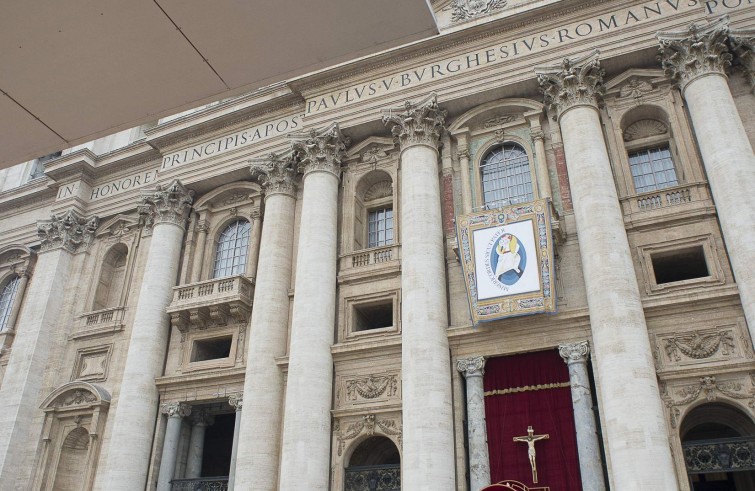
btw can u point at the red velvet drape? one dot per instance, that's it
(548, 411)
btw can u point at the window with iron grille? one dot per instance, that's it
(7, 295)
(506, 177)
(232, 249)
(652, 169)
(380, 227)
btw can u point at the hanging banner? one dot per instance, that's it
(507, 258)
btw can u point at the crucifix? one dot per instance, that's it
(530, 438)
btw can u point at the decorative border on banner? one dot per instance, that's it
(509, 305)
(527, 388)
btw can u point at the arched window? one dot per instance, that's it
(506, 177)
(232, 249)
(112, 278)
(7, 295)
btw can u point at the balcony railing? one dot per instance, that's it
(721, 455)
(373, 478)
(99, 321)
(212, 302)
(201, 484)
(369, 257)
(664, 199)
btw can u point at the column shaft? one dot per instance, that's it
(466, 185)
(199, 251)
(235, 450)
(477, 432)
(730, 166)
(170, 453)
(306, 434)
(196, 450)
(541, 167)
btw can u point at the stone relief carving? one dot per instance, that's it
(77, 398)
(462, 10)
(373, 154)
(166, 204)
(322, 149)
(381, 189)
(700, 49)
(699, 346)
(275, 173)
(498, 120)
(709, 388)
(643, 129)
(574, 352)
(236, 401)
(471, 366)
(742, 43)
(369, 425)
(371, 387)
(417, 123)
(175, 409)
(635, 88)
(575, 82)
(70, 231)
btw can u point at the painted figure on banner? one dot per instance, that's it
(509, 259)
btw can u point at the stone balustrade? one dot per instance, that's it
(374, 478)
(687, 198)
(201, 484)
(215, 302)
(99, 322)
(375, 256)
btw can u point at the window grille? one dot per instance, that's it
(232, 249)
(652, 169)
(6, 301)
(506, 177)
(380, 227)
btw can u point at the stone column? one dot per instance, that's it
(200, 420)
(136, 408)
(697, 60)
(309, 391)
(37, 332)
(466, 185)
(575, 355)
(473, 370)
(175, 411)
(635, 425)
(260, 432)
(541, 167)
(237, 401)
(254, 247)
(199, 251)
(428, 457)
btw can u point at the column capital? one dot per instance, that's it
(471, 367)
(175, 409)
(69, 231)
(742, 43)
(574, 352)
(420, 123)
(320, 149)
(276, 173)
(237, 401)
(463, 153)
(202, 418)
(697, 51)
(167, 204)
(572, 83)
(537, 134)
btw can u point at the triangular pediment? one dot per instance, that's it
(372, 149)
(118, 225)
(635, 80)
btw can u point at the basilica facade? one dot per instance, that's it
(270, 292)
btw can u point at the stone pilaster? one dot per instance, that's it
(742, 43)
(630, 400)
(200, 420)
(175, 411)
(697, 59)
(37, 332)
(257, 455)
(237, 402)
(466, 191)
(473, 370)
(576, 355)
(428, 457)
(166, 208)
(306, 434)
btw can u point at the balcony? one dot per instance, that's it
(721, 455)
(369, 261)
(215, 302)
(201, 484)
(99, 322)
(665, 204)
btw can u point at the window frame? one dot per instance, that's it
(242, 267)
(484, 150)
(376, 209)
(6, 314)
(648, 143)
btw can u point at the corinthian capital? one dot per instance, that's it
(418, 123)
(743, 45)
(237, 401)
(69, 231)
(321, 150)
(474, 366)
(167, 204)
(574, 82)
(175, 409)
(574, 352)
(698, 50)
(275, 173)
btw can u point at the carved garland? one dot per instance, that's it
(369, 424)
(462, 10)
(699, 346)
(372, 387)
(707, 386)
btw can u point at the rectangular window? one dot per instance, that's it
(652, 169)
(211, 349)
(380, 227)
(679, 265)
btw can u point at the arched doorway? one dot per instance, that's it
(375, 465)
(718, 441)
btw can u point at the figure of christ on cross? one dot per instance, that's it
(530, 438)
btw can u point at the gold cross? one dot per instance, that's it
(530, 438)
